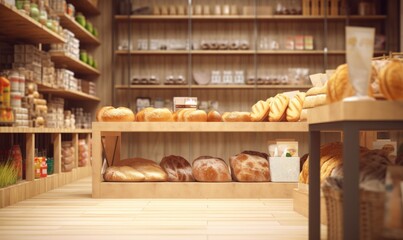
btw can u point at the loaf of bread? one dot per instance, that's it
(152, 171)
(314, 101)
(140, 116)
(278, 108)
(111, 114)
(236, 117)
(177, 168)
(214, 116)
(304, 115)
(123, 174)
(295, 107)
(316, 90)
(181, 114)
(210, 169)
(195, 116)
(250, 166)
(260, 110)
(158, 115)
(101, 111)
(391, 80)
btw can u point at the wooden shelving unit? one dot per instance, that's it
(79, 31)
(42, 130)
(65, 93)
(129, 87)
(78, 67)
(85, 6)
(18, 26)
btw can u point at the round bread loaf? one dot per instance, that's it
(260, 110)
(120, 114)
(236, 117)
(158, 115)
(182, 112)
(391, 80)
(214, 116)
(151, 170)
(101, 111)
(123, 174)
(250, 166)
(195, 116)
(177, 168)
(141, 113)
(278, 108)
(295, 107)
(210, 169)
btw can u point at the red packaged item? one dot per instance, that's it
(299, 42)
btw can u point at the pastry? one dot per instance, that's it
(250, 166)
(295, 107)
(210, 169)
(195, 116)
(141, 113)
(158, 115)
(123, 174)
(278, 108)
(214, 116)
(120, 114)
(391, 80)
(177, 168)
(151, 170)
(260, 110)
(236, 117)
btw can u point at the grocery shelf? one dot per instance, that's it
(200, 127)
(41, 130)
(85, 6)
(78, 67)
(68, 94)
(79, 31)
(16, 25)
(128, 87)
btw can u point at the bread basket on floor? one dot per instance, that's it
(371, 213)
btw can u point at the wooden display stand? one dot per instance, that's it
(103, 189)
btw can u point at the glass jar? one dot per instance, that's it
(34, 13)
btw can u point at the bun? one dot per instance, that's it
(123, 174)
(391, 80)
(250, 167)
(260, 110)
(151, 170)
(210, 169)
(195, 116)
(236, 117)
(120, 114)
(295, 107)
(214, 116)
(101, 111)
(182, 112)
(140, 115)
(278, 108)
(158, 115)
(177, 168)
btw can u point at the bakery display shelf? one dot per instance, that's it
(152, 52)
(79, 31)
(357, 111)
(41, 130)
(78, 67)
(161, 86)
(65, 93)
(342, 52)
(194, 190)
(257, 127)
(18, 26)
(85, 6)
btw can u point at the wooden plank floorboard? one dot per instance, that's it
(70, 212)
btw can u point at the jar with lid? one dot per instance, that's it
(34, 12)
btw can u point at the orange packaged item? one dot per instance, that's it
(37, 166)
(5, 83)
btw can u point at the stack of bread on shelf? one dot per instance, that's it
(247, 166)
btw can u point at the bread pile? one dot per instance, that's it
(391, 80)
(314, 97)
(68, 156)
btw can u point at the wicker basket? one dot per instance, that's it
(371, 213)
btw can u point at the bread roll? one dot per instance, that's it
(278, 108)
(314, 101)
(210, 169)
(177, 168)
(260, 110)
(295, 107)
(140, 115)
(236, 117)
(250, 166)
(317, 90)
(120, 114)
(182, 112)
(158, 115)
(195, 116)
(152, 171)
(101, 111)
(123, 174)
(391, 80)
(214, 116)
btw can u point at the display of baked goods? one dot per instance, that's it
(278, 108)
(294, 109)
(210, 169)
(237, 117)
(250, 166)
(314, 97)
(177, 168)
(111, 114)
(391, 80)
(150, 170)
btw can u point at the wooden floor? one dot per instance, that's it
(70, 213)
